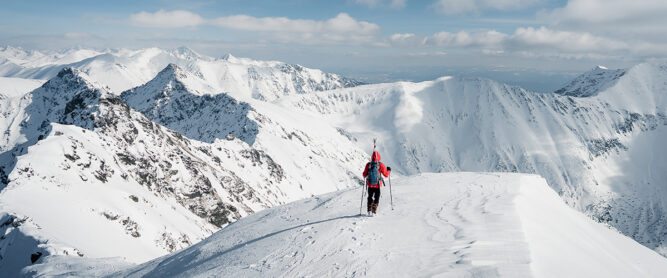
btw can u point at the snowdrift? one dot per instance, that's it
(455, 224)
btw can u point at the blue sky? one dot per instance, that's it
(538, 44)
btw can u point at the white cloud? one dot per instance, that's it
(524, 40)
(447, 39)
(341, 29)
(342, 23)
(450, 7)
(464, 39)
(563, 40)
(166, 19)
(611, 12)
(637, 19)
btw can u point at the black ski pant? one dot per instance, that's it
(373, 196)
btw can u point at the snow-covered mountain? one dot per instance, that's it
(183, 144)
(148, 190)
(592, 82)
(181, 101)
(452, 225)
(124, 69)
(602, 154)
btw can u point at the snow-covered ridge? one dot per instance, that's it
(591, 150)
(181, 101)
(455, 224)
(149, 190)
(196, 152)
(592, 82)
(145, 186)
(124, 69)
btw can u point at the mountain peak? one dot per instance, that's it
(171, 67)
(71, 76)
(591, 82)
(186, 53)
(172, 79)
(68, 72)
(229, 57)
(171, 72)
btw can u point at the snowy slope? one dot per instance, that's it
(592, 82)
(602, 154)
(183, 102)
(124, 69)
(197, 142)
(148, 190)
(33, 64)
(305, 146)
(34, 58)
(16, 87)
(456, 224)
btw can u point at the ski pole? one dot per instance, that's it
(391, 197)
(361, 203)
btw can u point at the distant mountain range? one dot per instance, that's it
(153, 150)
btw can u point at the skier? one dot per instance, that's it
(373, 174)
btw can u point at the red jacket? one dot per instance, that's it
(382, 169)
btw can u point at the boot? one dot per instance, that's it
(374, 208)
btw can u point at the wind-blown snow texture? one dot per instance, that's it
(454, 225)
(194, 143)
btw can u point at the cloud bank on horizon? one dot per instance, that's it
(361, 35)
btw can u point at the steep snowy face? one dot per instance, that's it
(68, 98)
(313, 152)
(124, 69)
(592, 82)
(593, 151)
(149, 190)
(183, 102)
(84, 156)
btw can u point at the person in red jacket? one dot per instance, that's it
(373, 174)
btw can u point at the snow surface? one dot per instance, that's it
(148, 190)
(16, 87)
(124, 69)
(592, 82)
(198, 142)
(449, 225)
(592, 150)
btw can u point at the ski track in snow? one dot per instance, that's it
(444, 225)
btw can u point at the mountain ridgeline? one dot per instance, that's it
(150, 189)
(168, 101)
(180, 144)
(603, 154)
